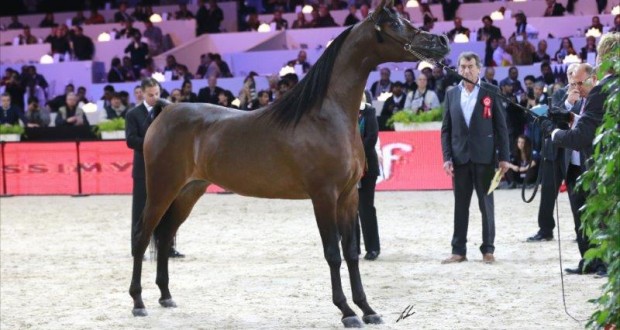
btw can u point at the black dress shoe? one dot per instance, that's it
(175, 254)
(372, 255)
(539, 238)
(592, 268)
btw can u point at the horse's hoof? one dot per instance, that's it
(352, 322)
(168, 303)
(372, 319)
(139, 312)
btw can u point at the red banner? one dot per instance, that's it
(410, 161)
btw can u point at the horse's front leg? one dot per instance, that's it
(347, 218)
(325, 213)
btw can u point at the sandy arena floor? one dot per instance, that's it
(255, 263)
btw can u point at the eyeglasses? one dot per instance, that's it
(579, 83)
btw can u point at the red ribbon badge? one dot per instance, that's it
(486, 101)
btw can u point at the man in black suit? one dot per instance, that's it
(369, 131)
(137, 122)
(209, 94)
(473, 126)
(394, 103)
(553, 167)
(580, 138)
(10, 114)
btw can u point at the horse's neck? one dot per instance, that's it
(351, 71)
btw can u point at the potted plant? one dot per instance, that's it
(11, 133)
(113, 129)
(408, 120)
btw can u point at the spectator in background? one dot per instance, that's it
(449, 8)
(521, 50)
(489, 51)
(522, 25)
(253, 22)
(79, 18)
(222, 65)
(523, 164)
(300, 22)
(108, 92)
(554, 9)
(139, 52)
(364, 10)
(596, 24)
(422, 99)
(14, 87)
(155, 38)
(171, 65)
(458, 29)
(15, 24)
(500, 56)
(616, 27)
(70, 114)
(175, 96)
(351, 19)
(438, 82)
(128, 69)
(35, 116)
(182, 72)
(541, 52)
(58, 101)
(116, 109)
(183, 12)
(186, 92)
(409, 84)
(138, 96)
(27, 38)
(149, 69)
(48, 21)
(513, 74)
(95, 17)
(566, 48)
(225, 98)
(488, 30)
(325, 19)
(10, 114)
(393, 104)
(209, 93)
(262, 101)
(590, 47)
(124, 98)
(547, 75)
(116, 71)
(281, 23)
(515, 117)
(383, 85)
(247, 94)
(34, 82)
(302, 59)
(121, 15)
(83, 47)
(209, 20)
(528, 83)
(128, 31)
(60, 42)
(489, 76)
(81, 94)
(400, 9)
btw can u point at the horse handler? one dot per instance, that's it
(136, 123)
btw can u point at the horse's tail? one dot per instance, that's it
(159, 106)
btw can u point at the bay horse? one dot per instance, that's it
(306, 145)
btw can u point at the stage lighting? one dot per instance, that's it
(46, 59)
(264, 27)
(155, 18)
(103, 37)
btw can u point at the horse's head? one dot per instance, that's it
(401, 41)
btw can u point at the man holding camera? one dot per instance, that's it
(581, 135)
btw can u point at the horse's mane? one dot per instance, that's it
(310, 91)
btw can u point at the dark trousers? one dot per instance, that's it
(137, 205)
(577, 199)
(550, 187)
(368, 215)
(468, 177)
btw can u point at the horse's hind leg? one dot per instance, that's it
(325, 213)
(347, 216)
(164, 233)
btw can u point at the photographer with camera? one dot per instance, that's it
(581, 134)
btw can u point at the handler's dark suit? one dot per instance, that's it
(369, 130)
(553, 171)
(580, 138)
(472, 151)
(137, 122)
